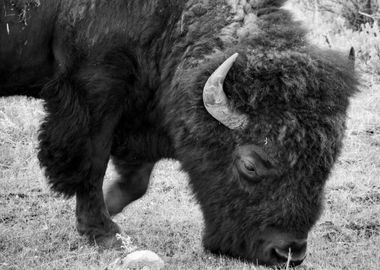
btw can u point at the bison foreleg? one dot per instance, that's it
(131, 185)
(75, 143)
(93, 218)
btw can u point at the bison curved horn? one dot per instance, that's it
(215, 100)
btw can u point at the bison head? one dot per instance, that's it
(258, 135)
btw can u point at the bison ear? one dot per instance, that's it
(215, 100)
(351, 58)
(351, 55)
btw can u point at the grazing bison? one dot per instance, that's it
(230, 88)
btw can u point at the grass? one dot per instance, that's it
(37, 228)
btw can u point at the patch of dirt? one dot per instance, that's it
(18, 195)
(333, 233)
(370, 135)
(347, 161)
(369, 198)
(165, 188)
(365, 230)
(9, 196)
(74, 245)
(7, 219)
(370, 131)
(350, 186)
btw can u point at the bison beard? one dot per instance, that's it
(131, 81)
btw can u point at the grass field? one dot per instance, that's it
(37, 228)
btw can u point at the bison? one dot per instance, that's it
(230, 88)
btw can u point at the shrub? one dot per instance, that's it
(355, 12)
(340, 24)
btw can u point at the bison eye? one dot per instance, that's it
(247, 168)
(249, 165)
(252, 163)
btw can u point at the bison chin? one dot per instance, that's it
(268, 247)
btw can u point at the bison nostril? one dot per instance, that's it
(278, 256)
(281, 254)
(296, 251)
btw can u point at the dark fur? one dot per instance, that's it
(125, 78)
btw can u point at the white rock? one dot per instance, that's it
(143, 259)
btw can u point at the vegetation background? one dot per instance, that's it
(37, 228)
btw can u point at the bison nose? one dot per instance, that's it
(282, 247)
(294, 251)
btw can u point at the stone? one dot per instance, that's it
(143, 259)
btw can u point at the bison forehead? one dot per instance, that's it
(296, 143)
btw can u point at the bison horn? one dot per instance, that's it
(215, 100)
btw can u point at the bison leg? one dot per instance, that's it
(132, 184)
(75, 144)
(93, 218)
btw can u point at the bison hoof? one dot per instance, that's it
(109, 242)
(103, 236)
(109, 239)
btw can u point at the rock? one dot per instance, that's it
(143, 259)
